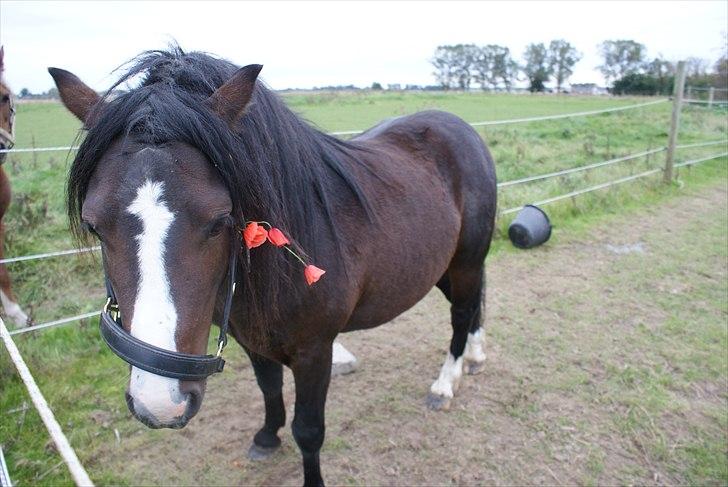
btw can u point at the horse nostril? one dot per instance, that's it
(194, 400)
(129, 401)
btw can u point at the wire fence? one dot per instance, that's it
(529, 179)
(612, 183)
(356, 132)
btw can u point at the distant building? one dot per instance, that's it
(588, 89)
(394, 87)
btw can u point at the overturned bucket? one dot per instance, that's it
(530, 228)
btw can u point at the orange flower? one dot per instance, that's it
(313, 273)
(254, 235)
(277, 238)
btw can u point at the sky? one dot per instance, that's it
(305, 44)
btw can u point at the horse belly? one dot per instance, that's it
(402, 274)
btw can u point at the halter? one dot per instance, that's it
(8, 138)
(176, 365)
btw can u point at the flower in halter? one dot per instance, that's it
(256, 235)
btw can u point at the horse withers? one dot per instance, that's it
(172, 171)
(7, 140)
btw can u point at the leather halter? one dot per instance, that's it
(176, 365)
(7, 138)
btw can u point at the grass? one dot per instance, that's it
(80, 377)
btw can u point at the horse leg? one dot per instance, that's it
(474, 354)
(312, 373)
(465, 291)
(10, 303)
(269, 375)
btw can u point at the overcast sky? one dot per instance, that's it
(306, 44)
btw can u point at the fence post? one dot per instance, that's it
(674, 120)
(689, 91)
(711, 94)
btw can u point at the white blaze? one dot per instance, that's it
(155, 318)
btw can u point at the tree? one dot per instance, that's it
(493, 65)
(663, 71)
(444, 63)
(562, 58)
(720, 73)
(696, 67)
(537, 68)
(376, 86)
(483, 67)
(464, 59)
(643, 84)
(621, 57)
(454, 65)
(25, 92)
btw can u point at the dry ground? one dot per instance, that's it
(604, 366)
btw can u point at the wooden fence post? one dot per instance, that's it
(675, 120)
(711, 95)
(689, 91)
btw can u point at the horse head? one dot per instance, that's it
(7, 112)
(167, 222)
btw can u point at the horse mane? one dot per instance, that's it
(276, 166)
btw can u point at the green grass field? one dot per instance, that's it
(79, 376)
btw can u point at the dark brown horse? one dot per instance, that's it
(169, 171)
(7, 139)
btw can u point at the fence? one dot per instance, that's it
(667, 171)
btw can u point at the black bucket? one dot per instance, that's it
(530, 228)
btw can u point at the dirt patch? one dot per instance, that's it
(588, 378)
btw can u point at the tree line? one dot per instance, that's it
(625, 66)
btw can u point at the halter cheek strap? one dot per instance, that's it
(176, 365)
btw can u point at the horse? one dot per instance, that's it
(7, 140)
(214, 202)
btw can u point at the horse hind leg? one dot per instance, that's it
(464, 289)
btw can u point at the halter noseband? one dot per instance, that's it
(8, 137)
(176, 365)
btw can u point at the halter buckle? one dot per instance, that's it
(111, 308)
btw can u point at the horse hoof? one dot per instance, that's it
(474, 368)
(257, 453)
(343, 368)
(343, 361)
(437, 402)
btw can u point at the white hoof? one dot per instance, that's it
(343, 361)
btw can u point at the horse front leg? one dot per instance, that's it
(312, 373)
(269, 375)
(8, 299)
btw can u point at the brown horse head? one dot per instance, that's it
(165, 218)
(7, 112)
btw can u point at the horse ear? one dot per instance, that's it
(230, 100)
(75, 94)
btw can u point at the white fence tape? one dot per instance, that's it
(47, 255)
(581, 168)
(54, 429)
(612, 183)
(51, 324)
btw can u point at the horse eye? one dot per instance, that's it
(90, 229)
(218, 226)
(5, 98)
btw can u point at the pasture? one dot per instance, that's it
(603, 367)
